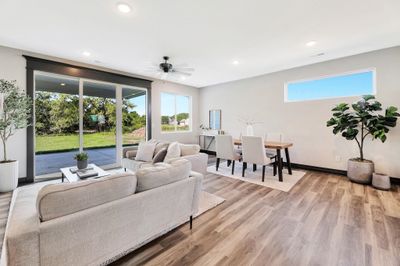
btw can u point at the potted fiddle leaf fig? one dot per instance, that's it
(15, 111)
(364, 119)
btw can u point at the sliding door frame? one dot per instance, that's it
(37, 64)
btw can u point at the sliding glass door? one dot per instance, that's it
(56, 122)
(99, 120)
(74, 115)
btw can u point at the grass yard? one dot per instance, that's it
(49, 143)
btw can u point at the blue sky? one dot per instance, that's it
(140, 103)
(168, 104)
(333, 87)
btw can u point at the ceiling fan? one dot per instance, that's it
(166, 70)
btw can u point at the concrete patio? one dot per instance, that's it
(52, 162)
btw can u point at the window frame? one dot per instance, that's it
(371, 69)
(175, 109)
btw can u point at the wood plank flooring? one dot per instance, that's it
(323, 220)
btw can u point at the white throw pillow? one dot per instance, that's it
(145, 151)
(174, 151)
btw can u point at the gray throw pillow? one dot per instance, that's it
(160, 155)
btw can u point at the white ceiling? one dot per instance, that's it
(263, 35)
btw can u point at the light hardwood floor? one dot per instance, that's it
(323, 220)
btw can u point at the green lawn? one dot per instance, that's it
(49, 143)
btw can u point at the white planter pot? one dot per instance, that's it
(360, 172)
(8, 176)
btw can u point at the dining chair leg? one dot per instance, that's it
(233, 167)
(244, 168)
(263, 173)
(254, 167)
(217, 165)
(228, 162)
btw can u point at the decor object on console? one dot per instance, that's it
(356, 125)
(81, 160)
(14, 114)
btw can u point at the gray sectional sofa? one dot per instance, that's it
(190, 152)
(97, 221)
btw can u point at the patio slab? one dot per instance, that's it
(52, 162)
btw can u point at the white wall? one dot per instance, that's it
(13, 67)
(304, 123)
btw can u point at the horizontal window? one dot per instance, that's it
(344, 85)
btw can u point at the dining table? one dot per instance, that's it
(278, 146)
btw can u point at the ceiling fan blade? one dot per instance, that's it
(181, 65)
(181, 73)
(184, 69)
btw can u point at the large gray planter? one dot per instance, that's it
(360, 171)
(82, 164)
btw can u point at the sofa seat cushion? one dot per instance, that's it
(160, 174)
(58, 200)
(189, 149)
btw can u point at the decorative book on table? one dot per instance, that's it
(75, 169)
(86, 173)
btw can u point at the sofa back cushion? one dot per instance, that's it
(58, 200)
(161, 174)
(189, 149)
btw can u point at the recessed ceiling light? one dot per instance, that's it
(62, 84)
(235, 62)
(123, 8)
(311, 43)
(86, 53)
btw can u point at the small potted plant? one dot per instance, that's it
(81, 160)
(364, 120)
(15, 112)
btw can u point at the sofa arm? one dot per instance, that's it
(199, 162)
(197, 191)
(132, 148)
(23, 228)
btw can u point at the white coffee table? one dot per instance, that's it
(67, 174)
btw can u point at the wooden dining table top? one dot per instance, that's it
(269, 144)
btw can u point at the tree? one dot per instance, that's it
(181, 116)
(164, 119)
(362, 121)
(43, 108)
(16, 111)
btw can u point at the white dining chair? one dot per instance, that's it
(225, 150)
(253, 152)
(276, 137)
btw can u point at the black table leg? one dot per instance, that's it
(289, 165)
(62, 178)
(278, 154)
